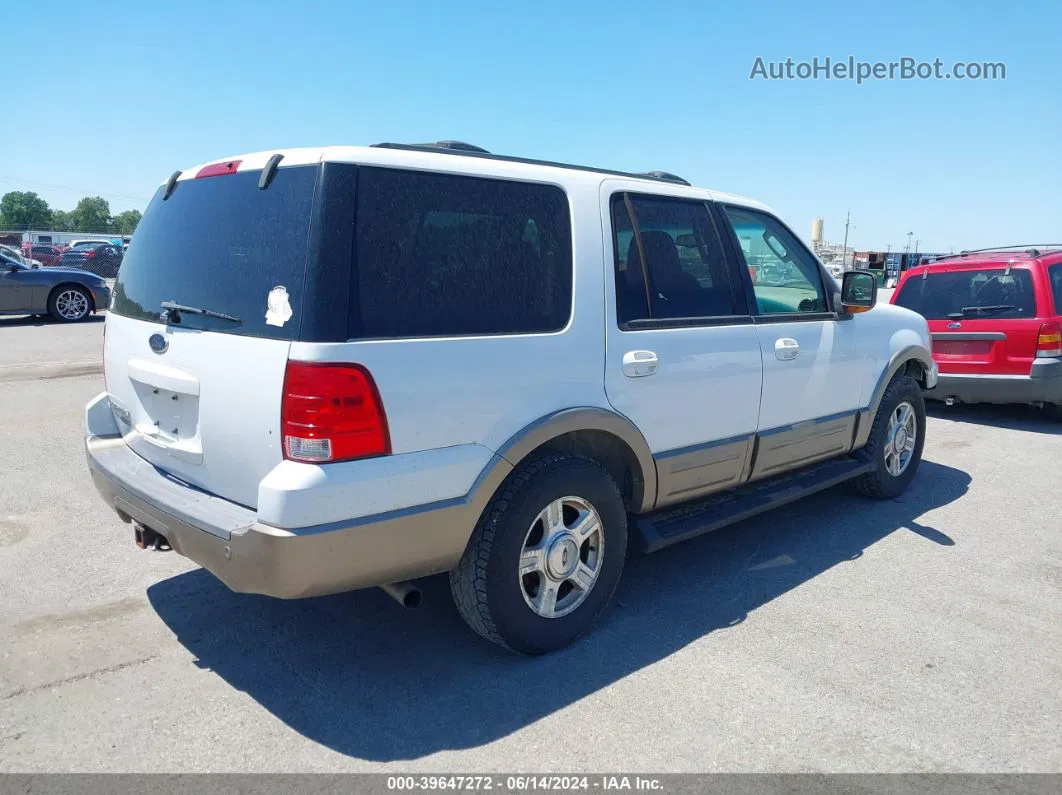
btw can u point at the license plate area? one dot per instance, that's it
(975, 350)
(174, 414)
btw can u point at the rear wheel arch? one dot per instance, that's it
(601, 435)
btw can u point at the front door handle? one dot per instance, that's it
(638, 364)
(786, 349)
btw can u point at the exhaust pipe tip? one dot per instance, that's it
(405, 593)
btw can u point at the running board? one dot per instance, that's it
(678, 523)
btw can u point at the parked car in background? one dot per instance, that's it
(311, 389)
(103, 259)
(996, 321)
(67, 295)
(12, 253)
(45, 255)
(92, 241)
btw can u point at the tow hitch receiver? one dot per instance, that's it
(146, 538)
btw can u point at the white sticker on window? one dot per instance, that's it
(278, 310)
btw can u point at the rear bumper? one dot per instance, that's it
(251, 557)
(1042, 385)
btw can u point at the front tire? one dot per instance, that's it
(546, 557)
(69, 304)
(896, 440)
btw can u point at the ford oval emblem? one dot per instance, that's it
(158, 343)
(955, 325)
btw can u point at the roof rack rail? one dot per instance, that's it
(468, 150)
(1033, 249)
(454, 146)
(667, 176)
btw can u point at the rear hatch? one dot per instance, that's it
(199, 395)
(982, 319)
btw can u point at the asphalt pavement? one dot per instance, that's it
(839, 634)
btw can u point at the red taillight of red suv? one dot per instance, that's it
(332, 412)
(1049, 343)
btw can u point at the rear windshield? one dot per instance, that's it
(989, 293)
(223, 245)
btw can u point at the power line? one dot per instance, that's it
(68, 189)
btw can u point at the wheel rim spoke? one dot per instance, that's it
(532, 560)
(553, 517)
(584, 577)
(546, 600)
(585, 526)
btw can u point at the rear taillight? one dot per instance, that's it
(1049, 343)
(331, 412)
(90, 254)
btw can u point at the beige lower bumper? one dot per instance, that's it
(250, 557)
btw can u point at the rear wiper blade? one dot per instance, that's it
(174, 311)
(966, 310)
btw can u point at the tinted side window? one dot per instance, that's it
(991, 292)
(1055, 274)
(441, 255)
(669, 261)
(785, 276)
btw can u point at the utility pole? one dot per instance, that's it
(916, 250)
(907, 252)
(844, 250)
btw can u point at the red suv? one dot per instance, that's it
(996, 321)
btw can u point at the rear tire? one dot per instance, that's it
(902, 406)
(69, 303)
(546, 557)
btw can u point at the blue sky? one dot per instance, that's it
(626, 85)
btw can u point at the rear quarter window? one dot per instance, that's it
(439, 255)
(1054, 273)
(972, 294)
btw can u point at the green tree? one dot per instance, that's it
(92, 214)
(62, 221)
(125, 222)
(24, 210)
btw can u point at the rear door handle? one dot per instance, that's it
(786, 348)
(638, 364)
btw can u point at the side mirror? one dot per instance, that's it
(859, 291)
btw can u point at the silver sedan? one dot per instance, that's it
(67, 294)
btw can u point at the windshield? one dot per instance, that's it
(221, 244)
(975, 294)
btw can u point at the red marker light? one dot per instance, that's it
(218, 169)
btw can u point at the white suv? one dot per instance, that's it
(329, 369)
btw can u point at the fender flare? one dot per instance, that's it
(898, 361)
(589, 418)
